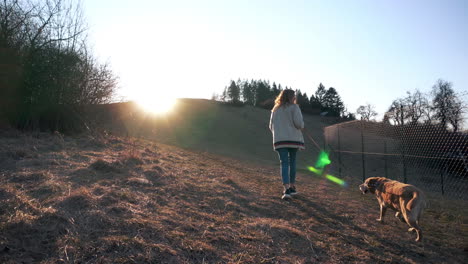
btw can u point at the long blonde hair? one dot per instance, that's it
(284, 98)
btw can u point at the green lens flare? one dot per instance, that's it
(314, 170)
(336, 180)
(323, 160)
(329, 177)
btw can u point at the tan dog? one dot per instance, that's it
(407, 200)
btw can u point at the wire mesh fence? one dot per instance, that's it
(427, 156)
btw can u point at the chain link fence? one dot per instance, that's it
(427, 156)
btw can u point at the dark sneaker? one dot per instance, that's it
(286, 194)
(292, 191)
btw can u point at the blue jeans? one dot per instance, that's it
(287, 158)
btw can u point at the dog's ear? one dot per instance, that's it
(373, 183)
(370, 181)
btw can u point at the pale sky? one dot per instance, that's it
(369, 51)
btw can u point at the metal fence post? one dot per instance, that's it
(442, 179)
(405, 180)
(362, 151)
(325, 137)
(385, 159)
(339, 152)
(402, 143)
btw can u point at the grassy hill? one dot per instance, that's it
(191, 195)
(205, 125)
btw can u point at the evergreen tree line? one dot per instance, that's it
(262, 94)
(439, 106)
(48, 74)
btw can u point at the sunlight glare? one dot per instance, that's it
(156, 106)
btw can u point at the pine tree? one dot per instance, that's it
(233, 93)
(262, 94)
(332, 102)
(275, 90)
(314, 102)
(224, 95)
(320, 93)
(247, 93)
(306, 99)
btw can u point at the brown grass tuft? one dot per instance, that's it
(138, 181)
(18, 153)
(132, 161)
(35, 177)
(104, 166)
(79, 199)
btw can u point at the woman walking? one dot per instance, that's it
(286, 125)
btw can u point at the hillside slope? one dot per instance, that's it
(107, 199)
(205, 125)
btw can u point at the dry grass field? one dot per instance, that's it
(109, 199)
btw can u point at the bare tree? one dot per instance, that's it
(397, 112)
(367, 112)
(429, 113)
(455, 115)
(58, 22)
(448, 108)
(348, 115)
(415, 106)
(48, 42)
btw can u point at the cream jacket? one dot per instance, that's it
(285, 125)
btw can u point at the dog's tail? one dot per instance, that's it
(412, 203)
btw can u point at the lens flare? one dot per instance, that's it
(323, 160)
(336, 180)
(314, 170)
(329, 177)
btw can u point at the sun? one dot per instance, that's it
(156, 106)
